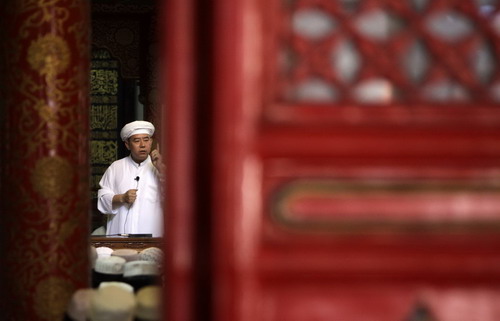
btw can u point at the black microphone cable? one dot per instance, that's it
(126, 217)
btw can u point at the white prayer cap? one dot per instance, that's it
(127, 254)
(154, 254)
(148, 300)
(79, 305)
(103, 251)
(137, 127)
(110, 265)
(112, 303)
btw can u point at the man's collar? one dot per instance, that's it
(147, 160)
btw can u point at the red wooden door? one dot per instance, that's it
(353, 160)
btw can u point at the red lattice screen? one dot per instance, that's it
(403, 52)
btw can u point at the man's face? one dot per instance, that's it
(139, 146)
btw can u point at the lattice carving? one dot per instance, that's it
(389, 52)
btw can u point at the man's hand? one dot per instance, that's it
(129, 196)
(126, 198)
(157, 160)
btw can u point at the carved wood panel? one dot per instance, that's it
(355, 157)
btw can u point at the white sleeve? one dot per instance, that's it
(106, 193)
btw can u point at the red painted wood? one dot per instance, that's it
(177, 24)
(236, 91)
(376, 260)
(45, 178)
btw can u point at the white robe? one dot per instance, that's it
(145, 215)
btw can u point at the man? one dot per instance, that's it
(130, 187)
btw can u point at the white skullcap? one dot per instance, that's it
(127, 254)
(122, 285)
(135, 268)
(137, 127)
(148, 303)
(112, 303)
(154, 254)
(110, 265)
(103, 251)
(79, 305)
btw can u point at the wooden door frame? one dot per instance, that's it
(176, 38)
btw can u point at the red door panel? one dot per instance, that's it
(354, 159)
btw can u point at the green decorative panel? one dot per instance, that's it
(103, 115)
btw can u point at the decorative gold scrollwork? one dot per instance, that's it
(52, 177)
(49, 55)
(50, 297)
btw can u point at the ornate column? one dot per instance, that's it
(45, 172)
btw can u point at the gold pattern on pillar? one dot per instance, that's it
(46, 172)
(49, 55)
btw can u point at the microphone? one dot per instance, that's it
(137, 178)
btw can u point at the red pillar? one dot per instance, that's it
(45, 167)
